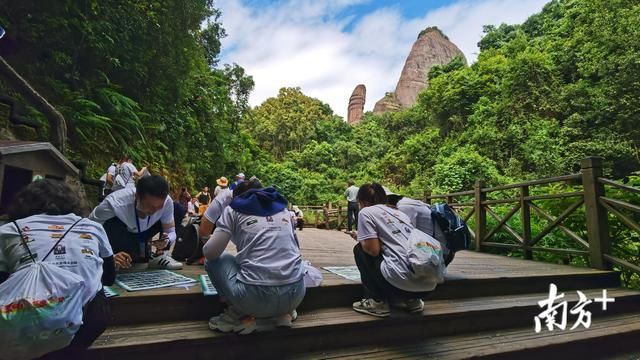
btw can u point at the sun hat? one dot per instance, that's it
(222, 181)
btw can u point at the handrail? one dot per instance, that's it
(533, 182)
(618, 185)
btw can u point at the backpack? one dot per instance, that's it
(455, 229)
(424, 255)
(40, 307)
(188, 246)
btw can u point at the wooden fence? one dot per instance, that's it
(591, 195)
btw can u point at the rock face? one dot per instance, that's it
(431, 48)
(356, 104)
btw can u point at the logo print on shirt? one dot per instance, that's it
(56, 227)
(85, 236)
(270, 218)
(59, 250)
(251, 222)
(87, 252)
(28, 257)
(26, 228)
(55, 236)
(284, 220)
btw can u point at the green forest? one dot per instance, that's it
(145, 78)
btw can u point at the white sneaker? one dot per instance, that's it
(286, 319)
(164, 261)
(230, 320)
(372, 307)
(413, 306)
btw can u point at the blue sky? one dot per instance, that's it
(327, 47)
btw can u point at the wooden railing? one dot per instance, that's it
(588, 188)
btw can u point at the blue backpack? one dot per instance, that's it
(454, 228)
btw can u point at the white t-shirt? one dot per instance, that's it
(383, 222)
(111, 171)
(216, 207)
(121, 204)
(80, 252)
(351, 193)
(126, 172)
(267, 250)
(420, 215)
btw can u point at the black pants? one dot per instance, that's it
(375, 285)
(96, 316)
(352, 215)
(300, 224)
(122, 240)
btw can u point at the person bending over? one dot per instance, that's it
(133, 216)
(43, 212)
(263, 284)
(381, 257)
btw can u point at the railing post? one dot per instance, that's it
(481, 214)
(525, 220)
(449, 200)
(339, 216)
(427, 198)
(596, 214)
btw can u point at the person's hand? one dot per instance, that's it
(122, 260)
(354, 235)
(162, 242)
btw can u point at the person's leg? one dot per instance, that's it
(375, 286)
(120, 238)
(349, 217)
(95, 318)
(300, 224)
(356, 210)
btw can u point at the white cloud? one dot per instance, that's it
(304, 43)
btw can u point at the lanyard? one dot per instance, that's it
(139, 233)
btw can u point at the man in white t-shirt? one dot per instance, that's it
(352, 205)
(133, 216)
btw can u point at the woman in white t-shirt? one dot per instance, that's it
(382, 259)
(263, 284)
(43, 212)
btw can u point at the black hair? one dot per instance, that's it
(125, 158)
(184, 189)
(244, 186)
(48, 196)
(350, 182)
(152, 185)
(393, 199)
(372, 194)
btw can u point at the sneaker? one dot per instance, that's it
(286, 319)
(230, 321)
(412, 305)
(372, 307)
(164, 261)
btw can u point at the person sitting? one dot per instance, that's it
(381, 257)
(45, 210)
(133, 216)
(420, 215)
(299, 216)
(192, 207)
(263, 284)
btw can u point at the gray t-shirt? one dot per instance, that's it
(392, 228)
(420, 215)
(351, 193)
(80, 252)
(267, 250)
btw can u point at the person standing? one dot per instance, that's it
(299, 216)
(239, 179)
(223, 183)
(352, 205)
(127, 174)
(204, 198)
(132, 217)
(184, 198)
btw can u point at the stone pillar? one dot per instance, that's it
(356, 104)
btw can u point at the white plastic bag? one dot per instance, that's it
(425, 255)
(40, 311)
(312, 276)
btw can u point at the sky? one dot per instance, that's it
(327, 47)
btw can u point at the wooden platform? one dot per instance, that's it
(483, 294)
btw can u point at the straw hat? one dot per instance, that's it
(222, 181)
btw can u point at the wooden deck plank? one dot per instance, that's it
(123, 336)
(334, 248)
(488, 343)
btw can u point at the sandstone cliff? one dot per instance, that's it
(431, 48)
(356, 104)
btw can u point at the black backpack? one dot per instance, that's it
(188, 246)
(454, 228)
